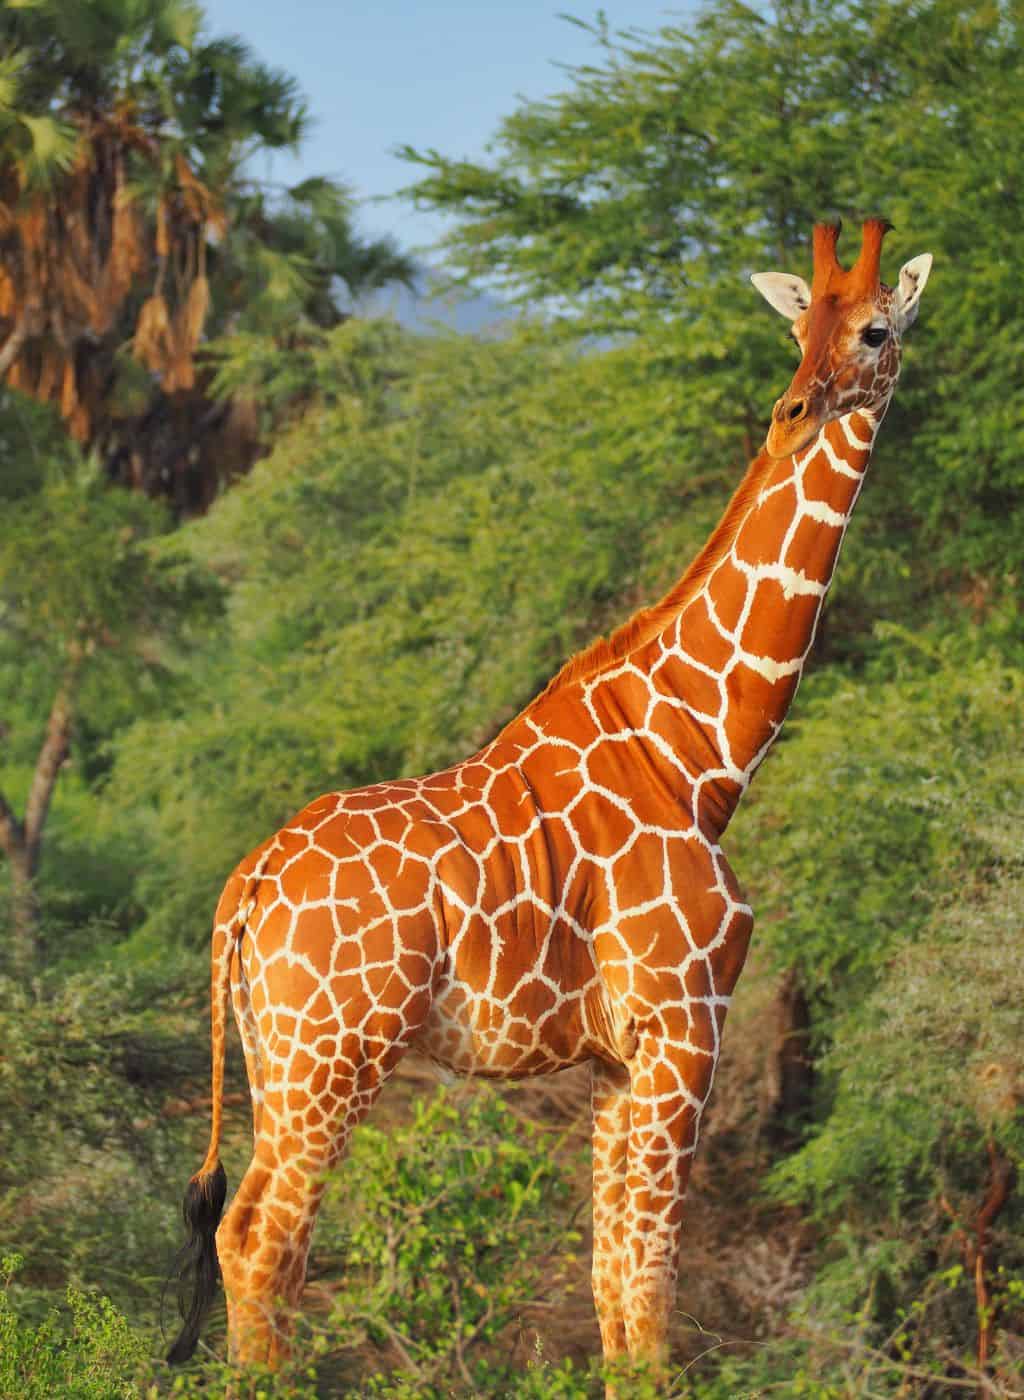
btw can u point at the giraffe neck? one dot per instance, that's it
(730, 658)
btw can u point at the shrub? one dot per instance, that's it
(451, 1227)
(93, 1354)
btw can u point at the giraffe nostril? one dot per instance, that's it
(796, 410)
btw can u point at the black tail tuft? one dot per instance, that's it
(195, 1266)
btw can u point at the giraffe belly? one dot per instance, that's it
(473, 1037)
(512, 1006)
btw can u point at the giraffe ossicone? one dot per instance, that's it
(562, 895)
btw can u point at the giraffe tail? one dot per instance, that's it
(196, 1271)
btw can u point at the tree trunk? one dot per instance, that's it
(48, 765)
(22, 841)
(24, 913)
(790, 1087)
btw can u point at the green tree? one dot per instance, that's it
(93, 604)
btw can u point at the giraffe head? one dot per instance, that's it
(849, 327)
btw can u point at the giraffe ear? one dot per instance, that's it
(790, 295)
(913, 276)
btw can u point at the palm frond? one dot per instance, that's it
(12, 66)
(53, 149)
(177, 22)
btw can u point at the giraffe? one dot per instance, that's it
(561, 896)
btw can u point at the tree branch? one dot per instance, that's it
(12, 349)
(48, 765)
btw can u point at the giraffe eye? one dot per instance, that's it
(874, 336)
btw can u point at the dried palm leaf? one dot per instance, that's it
(180, 372)
(49, 373)
(68, 391)
(8, 295)
(32, 226)
(195, 196)
(150, 343)
(197, 304)
(163, 240)
(217, 218)
(125, 260)
(80, 424)
(81, 299)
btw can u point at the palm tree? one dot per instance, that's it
(131, 229)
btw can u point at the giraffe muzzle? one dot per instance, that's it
(793, 425)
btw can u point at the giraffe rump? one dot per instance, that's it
(195, 1264)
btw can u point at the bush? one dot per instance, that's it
(93, 1354)
(91, 1170)
(451, 1228)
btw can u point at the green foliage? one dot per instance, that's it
(930, 1059)
(450, 1227)
(916, 787)
(78, 571)
(830, 1352)
(90, 1169)
(99, 605)
(92, 1356)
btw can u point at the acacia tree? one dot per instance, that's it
(131, 229)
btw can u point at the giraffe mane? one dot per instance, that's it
(649, 621)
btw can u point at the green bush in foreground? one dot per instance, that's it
(98, 1357)
(451, 1228)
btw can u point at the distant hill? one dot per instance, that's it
(425, 306)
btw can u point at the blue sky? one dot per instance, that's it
(382, 72)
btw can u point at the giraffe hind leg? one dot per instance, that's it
(263, 1241)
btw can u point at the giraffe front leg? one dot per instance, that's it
(670, 1082)
(610, 1094)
